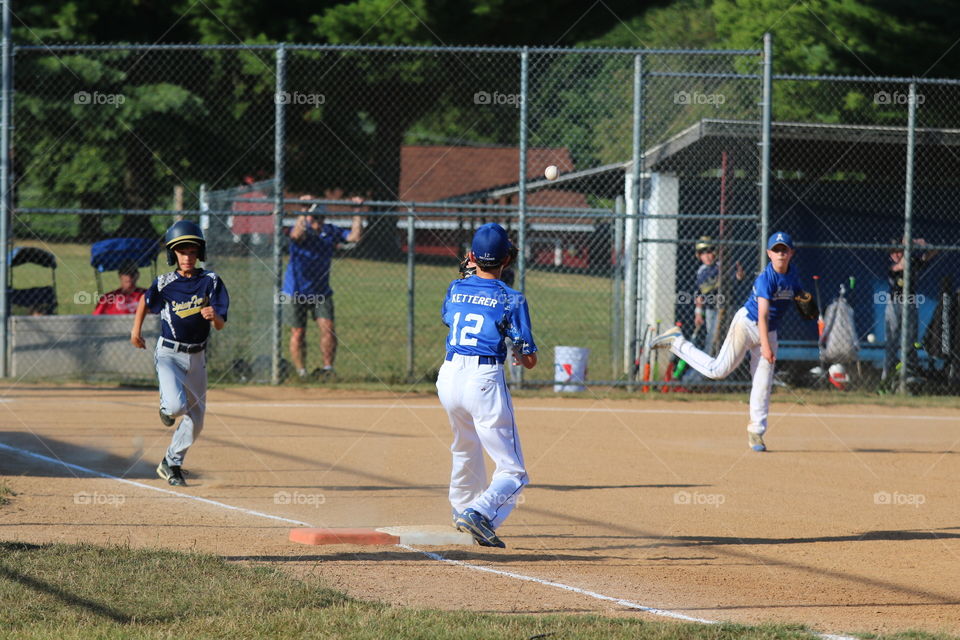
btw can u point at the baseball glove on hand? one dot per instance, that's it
(806, 305)
(466, 269)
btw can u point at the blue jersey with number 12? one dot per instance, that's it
(480, 313)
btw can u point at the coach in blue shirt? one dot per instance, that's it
(306, 284)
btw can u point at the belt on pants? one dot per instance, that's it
(480, 359)
(183, 347)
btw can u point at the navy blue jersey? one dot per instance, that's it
(178, 300)
(778, 288)
(308, 272)
(480, 313)
(708, 280)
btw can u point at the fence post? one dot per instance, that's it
(906, 331)
(616, 298)
(279, 117)
(411, 297)
(765, 135)
(6, 113)
(631, 245)
(522, 186)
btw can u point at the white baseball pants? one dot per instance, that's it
(481, 416)
(183, 392)
(743, 336)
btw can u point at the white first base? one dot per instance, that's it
(429, 534)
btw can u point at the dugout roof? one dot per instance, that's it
(865, 153)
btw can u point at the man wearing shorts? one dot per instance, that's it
(306, 284)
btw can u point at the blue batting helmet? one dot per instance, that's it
(184, 232)
(490, 245)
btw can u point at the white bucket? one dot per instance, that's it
(570, 368)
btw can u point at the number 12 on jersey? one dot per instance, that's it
(468, 332)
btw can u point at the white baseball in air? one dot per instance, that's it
(871, 338)
(551, 172)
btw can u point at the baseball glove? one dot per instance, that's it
(466, 269)
(806, 305)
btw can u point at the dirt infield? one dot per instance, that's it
(849, 523)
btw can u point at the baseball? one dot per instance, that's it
(871, 338)
(551, 172)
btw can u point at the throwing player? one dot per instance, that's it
(189, 300)
(753, 329)
(481, 311)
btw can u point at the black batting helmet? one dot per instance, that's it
(184, 232)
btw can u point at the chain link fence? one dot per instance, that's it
(656, 218)
(845, 184)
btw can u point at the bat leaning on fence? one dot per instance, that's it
(820, 323)
(645, 356)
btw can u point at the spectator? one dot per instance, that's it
(894, 309)
(708, 295)
(125, 299)
(306, 284)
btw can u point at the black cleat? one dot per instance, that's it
(477, 525)
(171, 474)
(166, 420)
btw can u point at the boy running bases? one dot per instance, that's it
(189, 300)
(481, 311)
(754, 329)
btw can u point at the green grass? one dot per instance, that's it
(5, 494)
(82, 591)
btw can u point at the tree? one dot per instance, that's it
(182, 113)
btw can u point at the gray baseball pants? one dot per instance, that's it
(183, 392)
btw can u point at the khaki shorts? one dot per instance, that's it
(295, 312)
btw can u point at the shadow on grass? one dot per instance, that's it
(64, 596)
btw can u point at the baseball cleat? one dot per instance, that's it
(755, 440)
(477, 525)
(166, 420)
(171, 474)
(665, 339)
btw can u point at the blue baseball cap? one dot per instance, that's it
(780, 237)
(490, 245)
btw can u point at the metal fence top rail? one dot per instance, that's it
(375, 48)
(64, 47)
(871, 79)
(449, 210)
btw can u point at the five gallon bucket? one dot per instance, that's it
(570, 368)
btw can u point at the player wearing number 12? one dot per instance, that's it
(481, 311)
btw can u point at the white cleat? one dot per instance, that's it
(755, 440)
(665, 339)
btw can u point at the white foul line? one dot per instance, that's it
(509, 574)
(76, 467)
(560, 585)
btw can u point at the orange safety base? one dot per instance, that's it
(342, 536)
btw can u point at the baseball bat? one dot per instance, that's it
(816, 284)
(646, 357)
